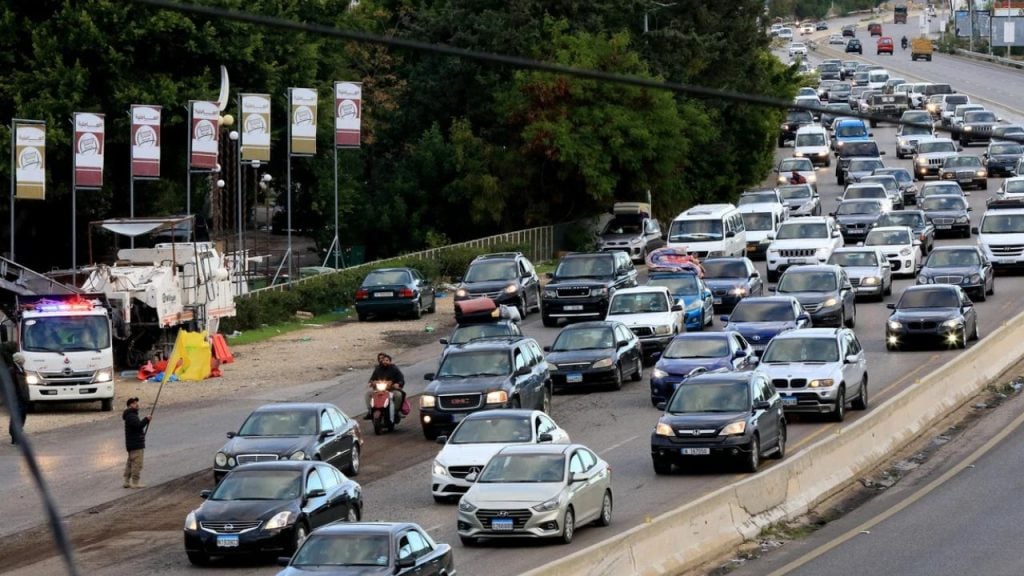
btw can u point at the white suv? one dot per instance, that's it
(804, 240)
(900, 246)
(1001, 234)
(818, 370)
(650, 313)
(797, 49)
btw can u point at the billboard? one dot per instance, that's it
(348, 114)
(255, 129)
(205, 134)
(1007, 31)
(962, 21)
(30, 161)
(89, 145)
(145, 141)
(302, 115)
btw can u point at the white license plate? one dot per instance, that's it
(966, 180)
(502, 524)
(574, 378)
(943, 227)
(695, 451)
(383, 294)
(229, 541)
(574, 308)
(789, 401)
(718, 301)
(797, 261)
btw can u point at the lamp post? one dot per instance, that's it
(233, 136)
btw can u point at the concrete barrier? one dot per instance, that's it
(719, 521)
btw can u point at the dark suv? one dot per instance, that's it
(795, 119)
(581, 285)
(484, 374)
(505, 277)
(854, 149)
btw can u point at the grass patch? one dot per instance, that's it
(264, 333)
(544, 267)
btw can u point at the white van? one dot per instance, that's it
(709, 230)
(761, 221)
(812, 142)
(877, 79)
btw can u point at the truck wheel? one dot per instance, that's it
(107, 404)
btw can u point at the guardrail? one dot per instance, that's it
(1018, 64)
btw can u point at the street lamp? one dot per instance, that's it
(233, 136)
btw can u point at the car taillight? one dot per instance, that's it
(362, 294)
(406, 293)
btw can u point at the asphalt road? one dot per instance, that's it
(84, 463)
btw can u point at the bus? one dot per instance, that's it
(899, 14)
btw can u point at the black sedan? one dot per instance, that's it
(1001, 158)
(731, 280)
(269, 507)
(948, 213)
(923, 229)
(964, 266)
(394, 291)
(931, 312)
(594, 354)
(370, 549)
(293, 431)
(965, 170)
(824, 291)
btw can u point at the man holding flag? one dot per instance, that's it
(135, 429)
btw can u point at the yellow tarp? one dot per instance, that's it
(190, 359)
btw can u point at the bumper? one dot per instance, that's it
(907, 335)
(910, 197)
(1001, 170)
(247, 542)
(386, 307)
(693, 321)
(537, 525)
(781, 265)
(956, 229)
(448, 486)
(807, 402)
(503, 298)
(1007, 262)
(862, 290)
(575, 308)
(446, 420)
(651, 344)
(854, 234)
(977, 181)
(829, 317)
(757, 250)
(583, 378)
(924, 171)
(635, 252)
(670, 449)
(71, 393)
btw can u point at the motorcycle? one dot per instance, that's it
(904, 43)
(381, 409)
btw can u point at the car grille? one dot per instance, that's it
(789, 383)
(460, 401)
(720, 291)
(463, 471)
(229, 527)
(922, 325)
(573, 292)
(251, 458)
(797, 253)
(57, 378)
(943, 221)
(935, 161)
(758, 347)
(855, 282)
(982, 130)
(1007, 250)
(948, 279)
(855, 226)
(643, 331)
(696, 433)
(491, 295)
(965, 174)
(812, 308)
(574, 366)
(519, 517)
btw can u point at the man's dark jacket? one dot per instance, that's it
(134, 429)
(391, 373)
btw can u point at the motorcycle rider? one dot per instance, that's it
(904, 42)
(386, 370)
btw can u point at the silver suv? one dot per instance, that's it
(930, 154)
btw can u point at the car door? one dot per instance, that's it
(541, 374)
(762, 418)
(530, 283)
(652, 233)
(968, 311)
(317, 508)
(345, 438)
(429, 560)
(853, 372)
(629, 355)
(337, 503)
(584, 501)
(523, 382)
(426, 290)
(626, 272)
(775, 410)
(742, 353)
(847, 294)
(327, 440)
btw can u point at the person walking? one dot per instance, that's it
(135, 429)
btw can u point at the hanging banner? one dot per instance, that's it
(205, 120)
(88, 150)
(302, 109)
(255, 127)
(145, 141)
(30, 155)
(348, 113)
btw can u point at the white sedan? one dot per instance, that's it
(836, 39)
(797, 49)
(900, 246)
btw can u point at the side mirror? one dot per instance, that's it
(231, 435)
(762, 405)
(316, 493)
(204, 494)
(547, 348)
(851, 359)
(881, 152)
(804, 316)
(770, 236)
(523, 371)
(471, 477)
(283, 560)
(739, 354)
(966, 193)
(730, 234)
(959, 148)
(891, 306)
(442, 440)
(458, 279)
(326, 434)
(428, 376)
(754, 359)
(677, 308)
(621, 343)
(755, 274)
(574, 478)
(917, 242)
(660, 406)
(832, 214)
(969, 209)
(724, 318)
(406, 562)
(871, 134)
(443, 341)
(545, 437)
(860, 244)
(655, 355)
(968, 304)
(974, 230)
(549, 275)
(773, 288)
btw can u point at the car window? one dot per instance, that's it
(325, 422)
(588, 459)
(313, 482)
(329, 478)
(538, 356)
(337, 418)
(545, 425)
(405, 547)
(766, 390)
(576, 464)
(853, 346)
(758, 392)
(519, 359)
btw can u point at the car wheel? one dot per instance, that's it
(861, 403)
(516, 403)
(976, 333)
(982, 294)
(362, 316)
(430, 433)
(417, 312)
(992, 289)
(522, 307)
(433, 304)
(298, 536)
(468, 541)
(378, 424)
(780, 448)
(537, 301)
(606, 510)
(852, 320)
(753, 460)
(568, 526)
(198, 558)
(638, 375)
(107, 404)
(548, 321)
(961, 341)
(545, 402)
(352, 515)
(617, 383)
(838, 413)
(353, 466)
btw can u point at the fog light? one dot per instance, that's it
(463, 526)
(549, 525)
(892, 340)
(426, 419)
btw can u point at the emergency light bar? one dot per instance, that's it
(73, 303)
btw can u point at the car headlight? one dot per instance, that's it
(461, 293)
(738, 291)
(427, 401)
(104, 375)
(552, 367)
(439, 470)
(784, 127)
(922, 161)
(190, 522)
(466, 506)
(830, 303)
(497, 397)
(280, 520)
(980, 172)
(598, 291)
(975, 277)
(603, 363)
(663, 330)
(840, 144)
(798, 154)
(297, 455)
(894, 325)
(550, 293)
(658, 373)
(694, 306)
(968, 128)
(547, 506)
(951, 323)
(32, 378)
(823, 153)
(870, 281)
(663, 429)
(231, 461)
(734, 429)
(511, 289)
(905, 252)
(922, 279)
(961, 219)
(221, 459)
(812, 178)
(821, 383)
(782, 179)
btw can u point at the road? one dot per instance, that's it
(396, 468)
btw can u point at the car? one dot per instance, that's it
(293, 431)
(892, 187)
(732, 415)
(633, 230)
(687, 289)
(956, 121)
(917, 221)
(507, 278)
(759, 319)
(818, 371)
(833, 111)
(797, 49)
(269, 507)
(964, 266)
(812, 142)
(839, 93)
(807, 29)
(761, 221)
(836, 39)
(806, 91)
(966, 171)
(887, 105)
(848, 150)
(853, 46)
(829, 71)
(857, 80)
(1012, 187)
(947, 106)
(650, 312)
(942, 187)
(849, 30)
(900, 246)
(904, 181)
(1008, 131)
(1001, 233)
(785, 33)
(581, 284)
(537, 491)
(875, 29)
(884, 46)
(764, 196)
(484, 374)
(592, 354)
(863, 167)
(868, 192)
(891, 87)
(464, 333)
(824, 291)
(977, 126)
(855, 218)
(707, 230)
(949, 214)
(1001, 158)
(795, 119)
(480, 436)
(930, 155)
(822, 25)
(801, 199)
(849, 67)
(731, 280)
(921, 118)
(357, 549)
(804, 240)
(864, 101)
(395, 291)
(802, 166)
(811, 102)
(935, 312)
(867, 268)
(907, 137)
(690, 354)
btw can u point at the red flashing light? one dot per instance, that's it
(72, 304)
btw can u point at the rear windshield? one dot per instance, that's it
(860, 149)
(932, 89)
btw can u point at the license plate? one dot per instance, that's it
(574, 308)
(965, 180)
(501, 524)
(695, 451)
(797, 261)
(789, 401)
(383, 294)
(943, 227)
(574, 378)
(718, 301)
(229, 541)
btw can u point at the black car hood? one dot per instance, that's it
(489, 286)
(857, 218)
(466, 385)
(951, 271)
(581, 282)
(579, 356)
(242, 510)
(936, 314)
(1003, 158)
(726, 282)
(283, 445)
(702, 420)
(945, 213)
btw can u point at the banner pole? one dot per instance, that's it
(337, 243)
(131, 175)
(74, 211)
(288, 179)
(188, 163)
(14, 185)
(238, 200)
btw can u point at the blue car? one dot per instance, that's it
(692, 353)
(731, 280)
(849, 130)
(698, 303)
(762, 318)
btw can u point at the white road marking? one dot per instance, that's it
(435, 527)
(623, 443)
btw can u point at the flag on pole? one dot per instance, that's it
(205, 135)
(145, 141)
(30, 159)
(348, 114)
(302, 109)
(255, 127)
(89, 146)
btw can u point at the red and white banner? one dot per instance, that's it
(205, 134)
(348, 114)
(145, 141)
(89, 146)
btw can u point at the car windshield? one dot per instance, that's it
(807, 91)
(711, 397)
(753, 311)
(799, 116)
(491, 271)
(909, 130)
(942, 203)
(725, 269)
(860, 149)
(962, 162)
(622, 224)
(638, 303)
(801, 350)
(1003, 224)
(1014, 149)
(953, 101)
(935, 188)
(754, 221)
(952, 259)
(979, 117)
(591, 267)
(933, 147)
(797, 164)
(796, 230)
(851, 130)
(280, 423)
(583, 339)
(475, 363)
(464, 334)
(65, 333)
(887, 238)
(696, 230)
(901, 218)
(343, 550)
(865, 192)
(816, 139)
(900, 174)
(524, 468)
(387, 278)
(758, 198)
(864, 258)
(1014, 187)
(801, 192)
(244, 484)
(865, 165)
(850, 208)
(928, 298)
(697, 347)
(494, 430)
(885, 181)
(799, 281)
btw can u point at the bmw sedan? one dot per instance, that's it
(370, 549)
(933, 312)
(964, 266)
(691, 353)
(592, 354)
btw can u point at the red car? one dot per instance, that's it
(885, 45)
(875, 29)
